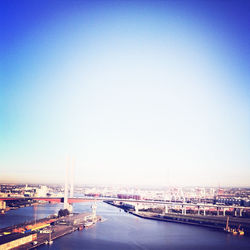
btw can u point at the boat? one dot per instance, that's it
(228, 229)
(240, 231)
(233, 230)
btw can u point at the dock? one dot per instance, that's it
(215, 222)
(205, 221)
(46, 233)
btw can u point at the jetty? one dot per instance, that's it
(36, 233)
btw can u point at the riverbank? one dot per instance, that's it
(20, 204)
(215, 222)
(44, 231)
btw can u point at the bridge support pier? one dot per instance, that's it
(218, 211)
(204, 211)
(70, 208)
(2, 205)
(136, 208)
(241, 210)
(184, 210)
(235, 212)
(224, 211)
(166, 209)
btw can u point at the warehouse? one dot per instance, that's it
(15, 240)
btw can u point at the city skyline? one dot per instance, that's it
(136, 92)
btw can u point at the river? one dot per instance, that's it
(121, 231)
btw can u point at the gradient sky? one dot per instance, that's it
(138, 92)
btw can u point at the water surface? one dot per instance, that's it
(125, 231)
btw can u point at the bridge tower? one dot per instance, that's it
(68, 174)
(65, 204)
(71, 194)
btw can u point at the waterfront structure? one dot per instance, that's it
(44, 230)
(16, 240)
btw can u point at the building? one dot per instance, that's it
(16, 240)
(42, 191)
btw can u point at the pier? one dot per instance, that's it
(44, 231)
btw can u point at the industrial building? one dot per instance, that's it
(16, 240)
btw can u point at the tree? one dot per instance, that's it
(63, 212)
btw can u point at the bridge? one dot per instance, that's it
(201, 208)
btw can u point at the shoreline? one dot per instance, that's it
(213, 222)
(29, 204)
(45, 230)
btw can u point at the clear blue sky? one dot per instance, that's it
(138, 92)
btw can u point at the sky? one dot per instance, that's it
(133, 92)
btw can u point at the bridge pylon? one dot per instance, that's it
(69, 178)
